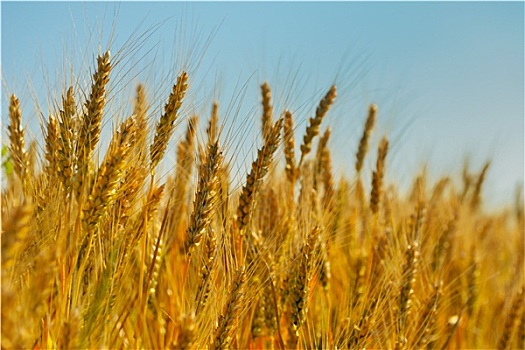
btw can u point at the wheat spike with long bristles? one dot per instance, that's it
(179, 190)
(211, 131)
(313, 123)
(224, 332)
(476, 195)
(321, 147)
(109, 175)
(323, 170)
(410, 269)
(15, 231)
(472, 281)
(185, 149)
(205, 197)
(187, 336)
(165, 126)
(89, 133)
(521, 330)
(65, 151)
(52, 146)
(148, 211)
(213, 125)
(363, 143)
(467, 178)
(328, 180)
(256, 175)
(17, 140)
(511, 320)
(300, 283)
(428, 316)
(377, 176)
(206, 272)
(289, 147)
(140, 111)
(266, 119)
(140, 107)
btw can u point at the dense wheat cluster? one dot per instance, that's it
(102, 252)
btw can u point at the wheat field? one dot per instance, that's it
(103, 252)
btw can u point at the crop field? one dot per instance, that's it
(101, 249)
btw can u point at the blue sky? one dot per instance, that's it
(448, 77)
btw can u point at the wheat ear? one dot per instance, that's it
(253, 180)
(467, 180)
(179, 190)
(67, 127)
(313, 123)
(205, 197)
(301, 281)
(363, 143)
(377, 176)
(406, 293)
(206, 273)
(225, 329)
(89, 133)
(140, 111)
(512, 319)
(476, 195)
(165, 126)
(15, 231)
(185, 160)
(211, 132)
(17, 140)
(472, 281)
(147, 213)
(324, 169)
(521, 330)
(109, 176)
(187, 336)
(213, 124)
(266, 118)
(140, 107)
(321, 147)
(52, 146)
(185, 152)
(289, 147)
(428, 317)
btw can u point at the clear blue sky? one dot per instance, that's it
(448, 77)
